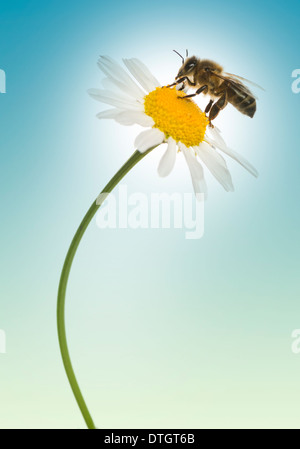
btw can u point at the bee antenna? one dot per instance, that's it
(180, 56)
(187, 53)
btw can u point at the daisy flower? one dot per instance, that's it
(180, 123)
(138, 98)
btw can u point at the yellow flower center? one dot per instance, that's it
(181, 119)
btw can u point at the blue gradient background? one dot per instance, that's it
(163, 331)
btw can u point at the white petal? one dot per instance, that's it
(168, 159)
(216, 165)
(241, 160)
(117, 100)
(217, 141)
(134, 117)
(136, 70)
(213, 137)
(196, 171)
(109, 113)
(118, 75)
(149, 138)
(146, 72)
(115, 85)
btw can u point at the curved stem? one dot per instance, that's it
(132, 161)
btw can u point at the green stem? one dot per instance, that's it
(132, 161)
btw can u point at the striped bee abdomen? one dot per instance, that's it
(242, 99)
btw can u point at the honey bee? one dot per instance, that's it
(209, 78)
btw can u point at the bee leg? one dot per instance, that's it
(198, 91)
(207, 109)
(218, 106)
(181, 80)
(185, 78)
(171, 85)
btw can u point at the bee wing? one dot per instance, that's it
(236, 85)
(244, 79)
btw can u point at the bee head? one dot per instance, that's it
(187, 67)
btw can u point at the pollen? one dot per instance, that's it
(178, 118)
